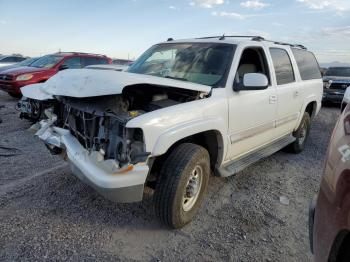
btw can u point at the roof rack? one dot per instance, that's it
(253, 38)
(80, 53)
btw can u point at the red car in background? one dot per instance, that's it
(329, 214)
(12, 80)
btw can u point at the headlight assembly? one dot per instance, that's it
(24, 77)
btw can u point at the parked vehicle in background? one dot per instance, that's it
(10, 60)
(183, 110)
(43, 69)
(122, 62)
(329, 213)
(335, 82)
(26, 62)
(12, 80)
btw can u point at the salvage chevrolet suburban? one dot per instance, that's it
(184, 110)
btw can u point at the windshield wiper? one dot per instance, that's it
(176, 78)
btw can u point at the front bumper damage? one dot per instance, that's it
(114, 183)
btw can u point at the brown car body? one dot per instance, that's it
(330, 214)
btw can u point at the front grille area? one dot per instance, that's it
(4, 77)
(339, 86)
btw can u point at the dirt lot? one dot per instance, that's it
(46, 213)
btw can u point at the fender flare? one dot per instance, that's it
(307, 101)
(175, 134)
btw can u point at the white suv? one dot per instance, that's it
(184, 110)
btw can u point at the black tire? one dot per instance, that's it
(301, 135)
(175, 175)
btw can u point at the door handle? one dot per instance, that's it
(273, 99)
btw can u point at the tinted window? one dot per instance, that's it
(201, 63)
(10, 59)
(283, 66)
(73, 63)
(338, 71)
(86, 61)
(307, 64)
(47, 61)
(20, 59)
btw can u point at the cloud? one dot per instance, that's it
(254, 4)
(207, 3)
(337, 5)
(174, 8)
(3, 22)
(339, 32)
(232, 15)
(239, 16)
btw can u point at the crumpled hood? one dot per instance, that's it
(91, 82)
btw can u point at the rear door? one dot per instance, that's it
(288, 90)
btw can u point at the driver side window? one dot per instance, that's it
(253, 60)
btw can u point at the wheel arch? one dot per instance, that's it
(212, 140)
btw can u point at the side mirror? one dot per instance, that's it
(253, 81)
(62, 67)
(346, 99)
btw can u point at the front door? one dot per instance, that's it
(251, 113)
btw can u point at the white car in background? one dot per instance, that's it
(11, 60)
(346, 99)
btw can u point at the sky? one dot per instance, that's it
(126, 28)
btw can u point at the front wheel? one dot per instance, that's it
(182, 185)
(301, 135)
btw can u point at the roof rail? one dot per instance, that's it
(253, 38)
(222, 37)
(80, 53)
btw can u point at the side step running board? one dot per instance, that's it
(241, 163)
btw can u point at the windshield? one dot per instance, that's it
(201, 63)
(339, 71)
(47, 61)
(27, 62)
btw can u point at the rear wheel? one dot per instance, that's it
(182, 184)
(301, 135)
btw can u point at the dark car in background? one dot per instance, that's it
(26, 62)
(11, 60)
(45, 67)
(335, 82)
(329, 215)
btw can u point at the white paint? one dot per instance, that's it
(227, 112)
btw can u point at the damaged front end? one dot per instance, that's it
(91, 134)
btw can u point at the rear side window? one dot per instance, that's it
(283, 66)
(86, 61)
(307, 64)
(73, 63)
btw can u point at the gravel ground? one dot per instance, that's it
(46, 213)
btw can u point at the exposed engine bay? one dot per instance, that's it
(99, 123)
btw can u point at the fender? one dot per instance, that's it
(308, 100)
(35, 91)
(171, 136)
